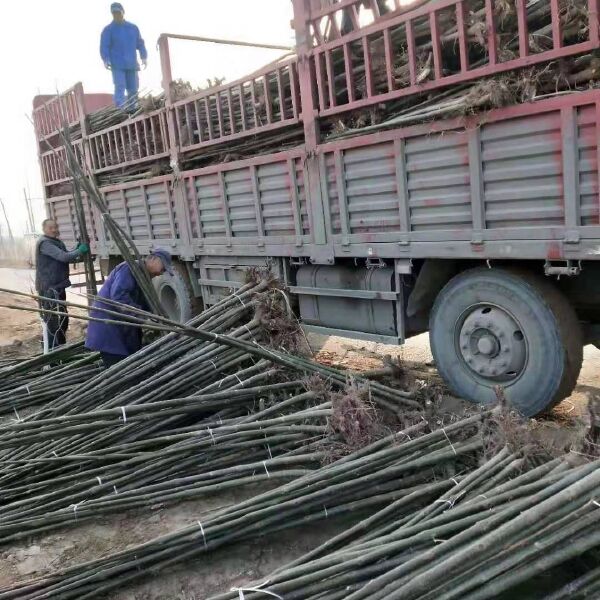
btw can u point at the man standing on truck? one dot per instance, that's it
(119, 44)
(116, 342)
(52, 261)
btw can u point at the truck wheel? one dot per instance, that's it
(175, 294)
(494, 327)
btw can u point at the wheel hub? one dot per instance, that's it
(492, 344)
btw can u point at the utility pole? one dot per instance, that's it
(10, 234)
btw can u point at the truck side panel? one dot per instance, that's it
(495, 185)
(511, 176)
(250, 205)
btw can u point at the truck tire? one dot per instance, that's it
(175, 294)
(495, 327)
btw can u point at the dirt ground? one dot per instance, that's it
(20, 331)
(230, 567)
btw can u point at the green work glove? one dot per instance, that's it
(83, 248)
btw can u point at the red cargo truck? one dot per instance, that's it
(483, 230)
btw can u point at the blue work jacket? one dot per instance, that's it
(123, 340)
(119, 43)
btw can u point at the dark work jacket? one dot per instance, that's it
(122, 340)
(49, 272)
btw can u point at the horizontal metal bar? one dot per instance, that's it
(57, 181)
(145, 117)
(267, 159)
(462, 76)
(241, 134)
(55, 98)
(389, 22)
(196, 38)
(463, 123)
(358, 335)
(281, 63)
(341, 293)
(129, 163)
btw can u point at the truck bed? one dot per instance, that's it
(518, 182)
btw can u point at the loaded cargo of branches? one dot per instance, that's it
(561, 75)
(412, 64)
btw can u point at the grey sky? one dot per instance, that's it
(47, 46)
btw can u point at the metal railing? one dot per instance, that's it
(138, 140)
(360, 69)
(61, 109)
(267, 100)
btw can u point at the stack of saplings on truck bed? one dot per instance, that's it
(508, 88)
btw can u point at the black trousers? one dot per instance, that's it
(56, 325)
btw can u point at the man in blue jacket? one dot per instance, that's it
(119, 44)
(116, 342)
